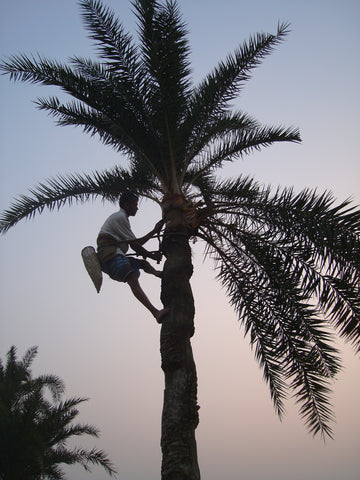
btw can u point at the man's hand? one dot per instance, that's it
(158, 226)
(157, 256)
(135, 244)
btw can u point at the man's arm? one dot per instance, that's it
(137, 244)
(154, 231)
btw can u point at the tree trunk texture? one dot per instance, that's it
(180, 411)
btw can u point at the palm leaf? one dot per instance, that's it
(280, 257)
(165, 53)
(56, 192)
(237, 143)
(81, 456)
(213, 95)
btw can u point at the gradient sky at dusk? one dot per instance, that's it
(106, 346)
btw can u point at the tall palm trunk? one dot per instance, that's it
(180, 411)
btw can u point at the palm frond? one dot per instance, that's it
(85, 458)
(52, 382)
(106, 105)
(65, 189)
(290, 265)
(165, 53)
(281, 323)
(222, 125)
(28, 358)
(92, 121)
(323, 239)
(121, 59)
(115, 45)
(213, 95)
(236, 143)
(140, 81)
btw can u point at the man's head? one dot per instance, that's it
(129, 202)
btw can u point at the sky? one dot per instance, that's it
(106, 346)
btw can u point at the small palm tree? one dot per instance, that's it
(290, 262)
(34, 431)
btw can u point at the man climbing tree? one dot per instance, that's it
(113, 242)
(289, 262)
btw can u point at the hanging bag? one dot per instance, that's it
(92, 266)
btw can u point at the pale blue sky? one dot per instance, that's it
(105, 346)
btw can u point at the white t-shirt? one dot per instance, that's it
(118, 226)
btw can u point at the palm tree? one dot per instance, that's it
(34, 431)
(289, 262)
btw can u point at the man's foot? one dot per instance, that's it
(150, 269)
(160, 314)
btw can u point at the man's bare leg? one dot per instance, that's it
(139, 293)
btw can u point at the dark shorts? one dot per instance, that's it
(119, 267)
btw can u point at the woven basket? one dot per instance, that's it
(92, 266)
